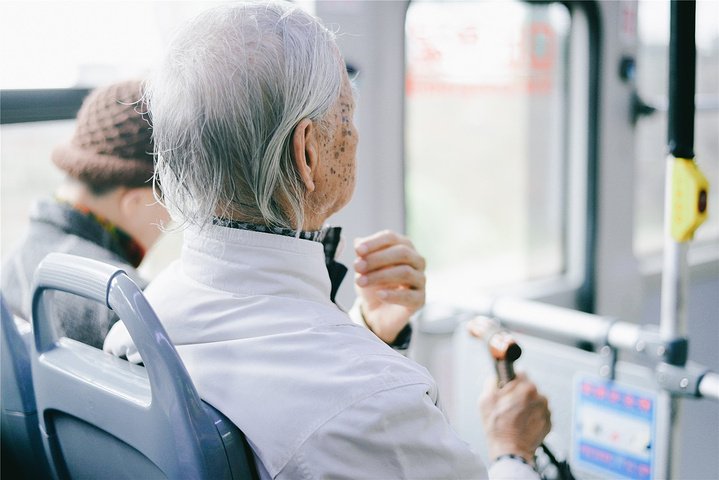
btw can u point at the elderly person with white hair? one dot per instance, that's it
(256, 147)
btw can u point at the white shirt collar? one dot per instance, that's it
(222, 257)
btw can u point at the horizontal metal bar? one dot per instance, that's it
(709, 386)
(625, 336)
(553, 323)
(581, 329)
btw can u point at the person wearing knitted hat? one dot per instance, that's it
(105, 209)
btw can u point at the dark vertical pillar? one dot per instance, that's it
(682, 78)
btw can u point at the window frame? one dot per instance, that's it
(39, 105)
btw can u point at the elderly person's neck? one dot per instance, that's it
(312, 221)
(103, 203)
(123, 206)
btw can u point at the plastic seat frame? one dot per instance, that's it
(101, 415)
(21, 439)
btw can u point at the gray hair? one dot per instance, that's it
(224, 103)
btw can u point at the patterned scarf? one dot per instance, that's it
(133, 250)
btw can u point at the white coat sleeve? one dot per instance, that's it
(397, 433)
(355, 314)
(509, 469)
(119, 343)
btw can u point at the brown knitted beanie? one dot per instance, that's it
(111, 146)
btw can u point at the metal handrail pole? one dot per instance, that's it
(682, 79)
(709, 386)
(624, 336)
(565, 325)
(551, 322)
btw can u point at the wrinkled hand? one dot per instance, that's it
(516, 418)
(389, 278)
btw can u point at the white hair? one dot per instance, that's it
(224, 103)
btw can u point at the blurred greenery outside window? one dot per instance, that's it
(485, 141)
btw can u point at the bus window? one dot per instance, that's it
(74, 44)
(27, 171)
(651, 146)
(116, 41)
(485, 140)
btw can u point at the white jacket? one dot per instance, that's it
(316, 395)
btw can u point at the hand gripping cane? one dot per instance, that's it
(502, 347)
(505, 352)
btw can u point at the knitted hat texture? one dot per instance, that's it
(112, 144)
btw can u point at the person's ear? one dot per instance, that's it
(305, 152)
(132, 201)
(140, 215)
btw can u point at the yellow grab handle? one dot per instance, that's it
(690, 189)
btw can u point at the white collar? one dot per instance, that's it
(243, 262)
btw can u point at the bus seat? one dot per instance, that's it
(103, 417)
(21, 440)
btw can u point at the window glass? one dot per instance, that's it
(485, 141)
(64, 45)
(84, 44)
(651, 148)
(27, 172)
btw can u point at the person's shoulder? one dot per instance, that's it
(363, 351)
(166, 281)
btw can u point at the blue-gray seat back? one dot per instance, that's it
(21, 443)
(101, 416)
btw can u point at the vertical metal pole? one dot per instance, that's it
(682, 72)
(682, 78)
